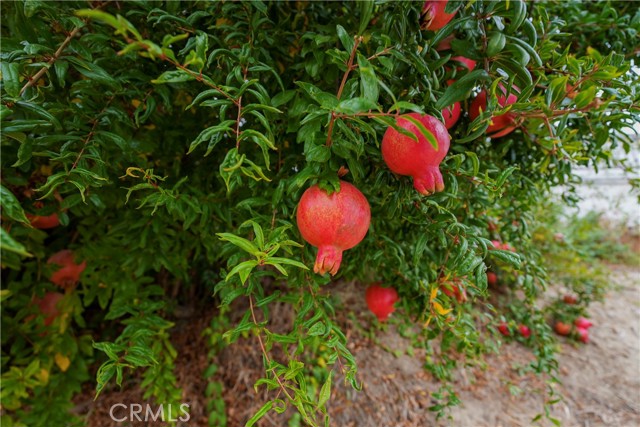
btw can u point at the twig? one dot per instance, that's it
(264, 350)
(89, 136)
(33, 80)
(350, 67)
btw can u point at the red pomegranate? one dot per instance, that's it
(583, 335)
(451, 114)
(562, 328)
(420, 160)
(44, 222)
(433, 16)
(69, 272)
(501, 124)
(492, 278)
(467, 63)
(583, 323)
(381, 300)
(524, 331)
(49, 306)
(333, 223)
(570, 299)
(504, 329)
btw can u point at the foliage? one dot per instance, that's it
(175, 139)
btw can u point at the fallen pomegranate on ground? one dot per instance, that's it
(583, 335)
(381, 301)
(501, 124)
(562, 328)
(433, 16)
(570, 299)
(419, 160)
(333, 223)
(524, 331)
(44, 222)
(69, 272)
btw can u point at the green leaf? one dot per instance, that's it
(243, 269)
(11, 206)
(243, 244)
(368, 79)
(424, 131)
(347, 41)
(507, 256)
(175, 76)
(261, 413)
(460, 89)
(11, 78)
(7, 243)
(318, 153)
(325, 391)
(356, 105)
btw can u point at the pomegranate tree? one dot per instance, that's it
(333, 223)
(381, 301)
(420, 160)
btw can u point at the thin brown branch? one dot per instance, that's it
(33, 80)
(92, 132)
(350, 67)
(264, 350)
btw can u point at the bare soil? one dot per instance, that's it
(600, 380)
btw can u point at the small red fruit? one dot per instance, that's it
(44, 222)
(492, 278)
(420, 160)
(333, 223)
(524, 331)
(381, 301)
(570, 299)
(69, 272)
(504, 329)
(433, 16)
(582, 323)
(583, 335)
(502, 124)
(49, 306)
(562, 328)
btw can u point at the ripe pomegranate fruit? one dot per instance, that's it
(504, 329)
(570, 299)
(451, 114)
(381, 301)
(456, 291)
(48, 306)
(582, 323)
(524, 331)
(501, 124)
(583, 335)
(69, 272)
(420, 160)
(562, 328)
(44, 222)
(333, 223)
(467, 63)
(492, 278)
(433, 16)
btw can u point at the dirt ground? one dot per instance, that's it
(600, 380)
